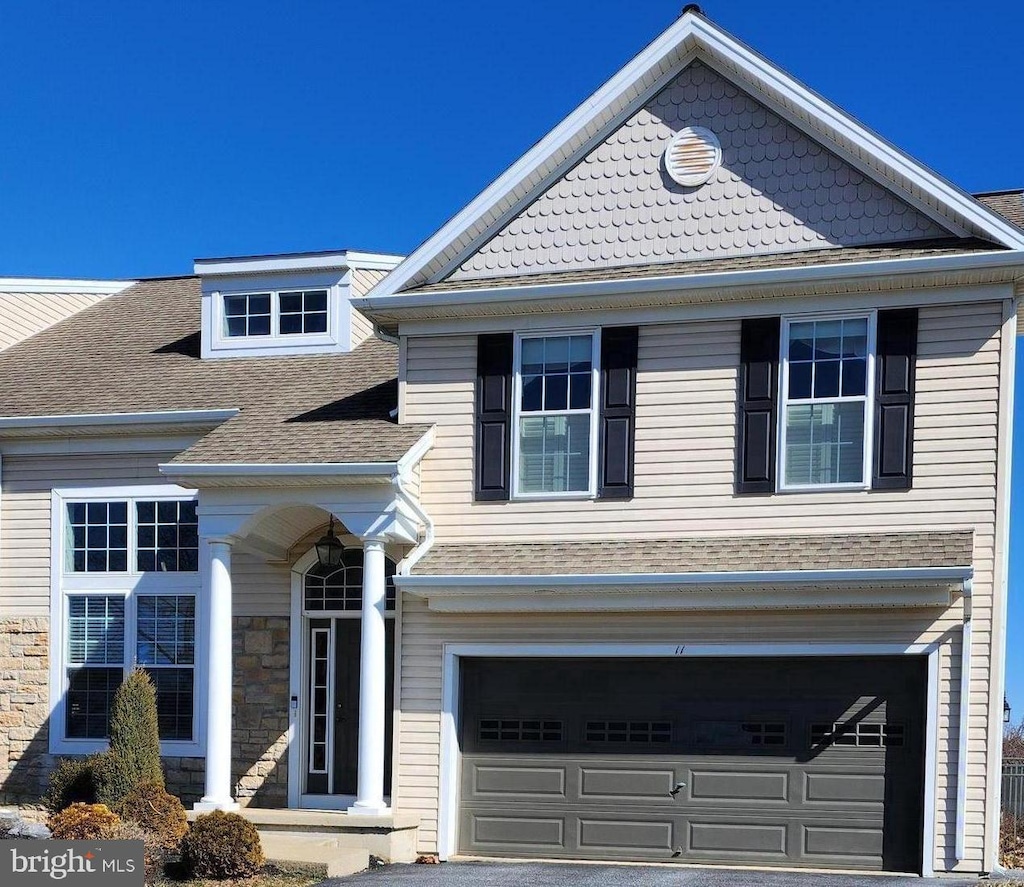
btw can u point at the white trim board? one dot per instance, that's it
(448, 781)
(63, 286)
(313, 261)
(692, 33)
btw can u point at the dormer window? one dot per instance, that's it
(299, 303)
(247, 314)
(302, 312)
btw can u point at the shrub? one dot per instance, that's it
(1011, 842)
(155, 854)
(222, 845)
(83, 822)
(156, 811)
(72, 781)
(134, 755)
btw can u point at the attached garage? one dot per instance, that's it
(812, 762)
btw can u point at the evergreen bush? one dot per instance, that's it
(83, 822)
(72, 781)
(134, 755)
(220, 846)
(157, 812)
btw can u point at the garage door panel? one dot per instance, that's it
(732, 785)
(797, 762)
(838, 840)
(737, 838)
(628, 836)
(626, 784)
(510, 782)
(839, 788)
(516, 834)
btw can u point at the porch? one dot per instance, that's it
(295, 696)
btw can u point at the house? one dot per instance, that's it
(655, 508)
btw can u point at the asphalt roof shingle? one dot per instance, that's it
(708, 555)
(1009, 204)
(139, 351)
(831, 256)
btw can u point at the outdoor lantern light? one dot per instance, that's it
(1006, 711)
(329, 549)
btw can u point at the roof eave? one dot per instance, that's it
(96, 423)
(386, 308)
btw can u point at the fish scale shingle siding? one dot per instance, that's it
(776, 191)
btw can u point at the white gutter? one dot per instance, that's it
(805, 274)
(965, 717)
(766, 577)
(291, 469)
(160, 417)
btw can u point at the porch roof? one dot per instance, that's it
(137, 353)
(728, 554)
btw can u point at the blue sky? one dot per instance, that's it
(135, 136)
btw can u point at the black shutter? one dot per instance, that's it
(894, 399)
(619, 347)
(756, 413)
(493, 416)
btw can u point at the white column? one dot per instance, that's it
(372, 676)
(219, 679)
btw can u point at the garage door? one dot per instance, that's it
(790, 762)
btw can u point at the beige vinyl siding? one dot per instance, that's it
(260, 589)
(25, 516)
(685, 440)
(363, 280)
(25, 314)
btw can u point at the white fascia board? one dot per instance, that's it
(748, 278)
(294, 262)
(77, 420)
(714, 41)
(58, 286)
(855, 134)
(765, 577)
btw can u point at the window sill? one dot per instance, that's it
(825, 488)
(553, 497)
(169, 749)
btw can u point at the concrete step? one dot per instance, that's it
(284, 847)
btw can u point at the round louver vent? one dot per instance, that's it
(692, 157)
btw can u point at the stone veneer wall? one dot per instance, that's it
(24, 695)
(261, 702)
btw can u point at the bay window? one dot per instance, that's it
(126, 592)
(554, 442)
(826, 415)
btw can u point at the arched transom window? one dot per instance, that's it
(341, 587)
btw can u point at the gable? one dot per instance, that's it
(776, 191)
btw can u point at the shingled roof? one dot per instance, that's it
(1009, 204)
(139, 351)
(803, 258)
(708, 555)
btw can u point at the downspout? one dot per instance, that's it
(965, 716)
(425, 544)
(380, 334)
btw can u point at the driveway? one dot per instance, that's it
(533, 874)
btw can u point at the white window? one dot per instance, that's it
(274, 314)
(826, 416)
(126, 586)
(555, 417)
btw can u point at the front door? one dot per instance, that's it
(333, 706)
